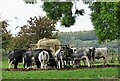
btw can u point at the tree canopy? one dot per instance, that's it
(62, 11)
(37, 28)
(6, 36)
(105, 18)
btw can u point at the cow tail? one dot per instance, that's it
(48, 58)
(93, 54)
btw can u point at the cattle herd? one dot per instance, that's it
(64, 56)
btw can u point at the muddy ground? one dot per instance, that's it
(66, 68)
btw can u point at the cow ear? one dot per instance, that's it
(10, 51)
(90, 50)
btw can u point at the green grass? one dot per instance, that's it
(87, 73)
(97, 73)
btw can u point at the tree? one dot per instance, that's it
(30, 1)
(105, 17)
(6, 36)
(36, 29)
(62, 11)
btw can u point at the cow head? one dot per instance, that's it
(11, 57)
(28, 58)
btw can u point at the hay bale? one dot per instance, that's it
(46, 43)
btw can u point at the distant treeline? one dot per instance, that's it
(84, 39)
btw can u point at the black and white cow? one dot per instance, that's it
(63, 56)
(15, 56)
(51, 61)
(59, 57)
(25, 56)
(82, 54)
(100, 53)
(43, 57)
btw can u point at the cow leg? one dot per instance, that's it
(104, 60)
(71, 63)
(65, 62)
(42, 65)
(15, 64)
(78, 62)
(45, 65)
(91, 62)
(87, 60)
(24, 64)
(84, 61)
(59, 64)
(10, 63)
(62, 62)
(74, 63)
(38, 64)
(33, 64)
(28, 65)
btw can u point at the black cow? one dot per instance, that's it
(15, 57)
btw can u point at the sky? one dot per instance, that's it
(17, 13)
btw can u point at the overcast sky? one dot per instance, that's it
(17, 13)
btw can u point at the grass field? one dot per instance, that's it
(101, 73)
(86, 73)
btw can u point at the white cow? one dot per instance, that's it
(44, 59)
(101, 53)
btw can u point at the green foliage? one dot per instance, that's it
(37, 29)
(67, 19)
(30, 1)
(105, 16)
(6, 37)
(62, 11)
(85, 39)
(105, 19)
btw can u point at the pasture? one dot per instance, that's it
(81, 73)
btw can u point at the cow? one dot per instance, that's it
(16, 56)
(31, 56)
(43, 57)
(11, 59)
(59, 58)
(98, 53)
(82, 54)
(28, 59)
(63, 56)
(20, 55)
(26, 56)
